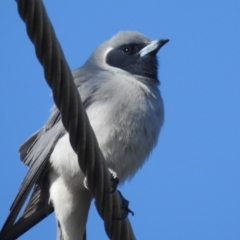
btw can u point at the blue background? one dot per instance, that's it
(189, 188)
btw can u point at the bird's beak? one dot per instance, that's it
(153, 46)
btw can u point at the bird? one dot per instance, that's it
(119, 89)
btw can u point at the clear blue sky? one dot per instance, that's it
(190, 187)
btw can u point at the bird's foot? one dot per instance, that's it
(114, 181)
(124, 207)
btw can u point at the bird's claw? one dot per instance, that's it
(124, 207)
(85, 183)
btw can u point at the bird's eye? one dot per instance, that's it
(126, 49)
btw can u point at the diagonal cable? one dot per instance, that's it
(67, 99)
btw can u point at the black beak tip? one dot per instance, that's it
(163, 41)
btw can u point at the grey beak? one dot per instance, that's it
(153, 46)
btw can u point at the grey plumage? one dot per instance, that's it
(119, 90)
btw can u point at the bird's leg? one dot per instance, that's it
(114, 180)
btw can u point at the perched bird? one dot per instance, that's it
(118, 86)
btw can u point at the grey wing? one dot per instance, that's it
(35, 153)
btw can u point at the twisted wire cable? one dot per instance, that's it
(67, 99)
